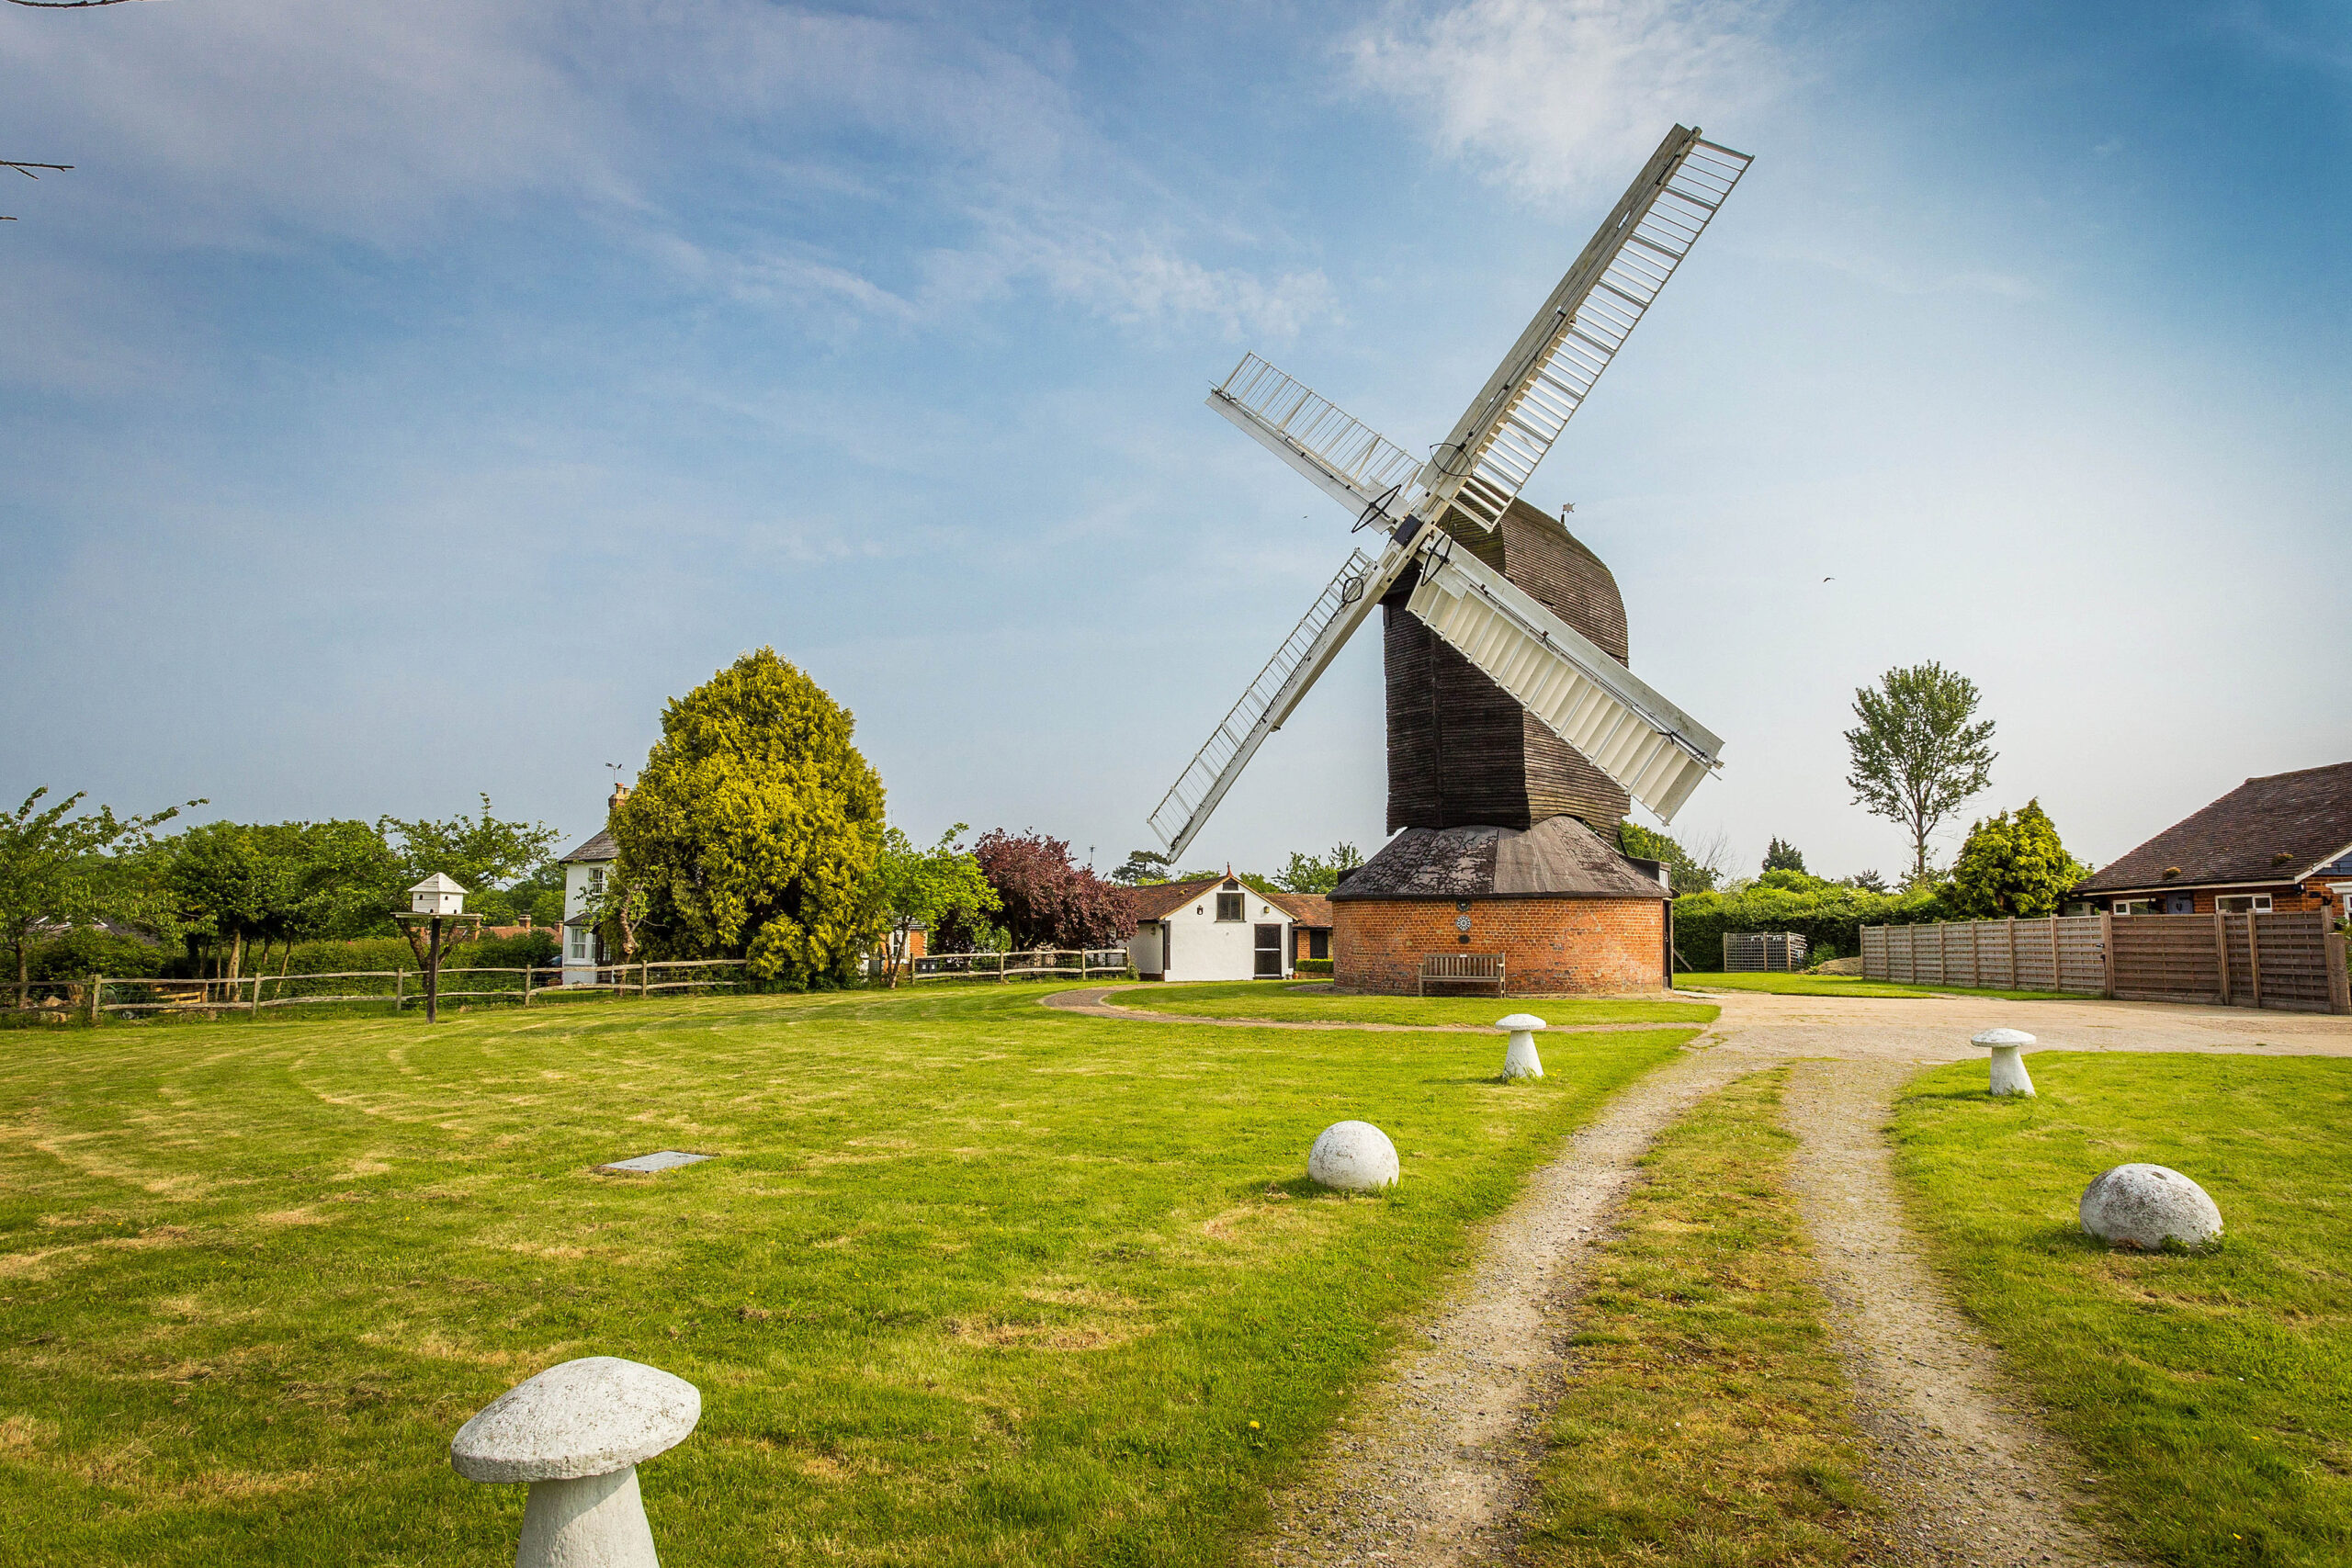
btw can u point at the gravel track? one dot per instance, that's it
(1438, 1460)
(1091, 1000)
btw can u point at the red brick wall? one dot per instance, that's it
(1548, 944)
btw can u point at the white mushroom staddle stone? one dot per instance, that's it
(2008, 1068)
(2140, 1206)
(576, 1433)
(1519, 1060)
(1353, 1156)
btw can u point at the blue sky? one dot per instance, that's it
(401, 402)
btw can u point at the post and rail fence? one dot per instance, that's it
(2290, 960)
(1082, 963)
(87, 998)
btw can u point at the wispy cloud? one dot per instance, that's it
(1554, 97)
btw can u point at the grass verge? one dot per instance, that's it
(974, 1282)
(1280, 1002)
(1854, 985)
(2211, 1396)
(1707, 1422)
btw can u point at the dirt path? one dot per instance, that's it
(1969, 1478)
(1435, 1464)
(1091, 1000)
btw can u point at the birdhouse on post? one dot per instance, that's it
(436, 894)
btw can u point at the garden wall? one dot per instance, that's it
(2286, 961)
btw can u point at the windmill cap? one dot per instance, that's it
(1520, 1021)
(2003, 1037)
(587, 1417)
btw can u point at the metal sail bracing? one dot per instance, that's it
(1657, 752)
(1494, 449)
(1296, 665)
(1344, 457)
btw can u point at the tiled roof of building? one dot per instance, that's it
(1304, 908)
(601, 847)
(1158, 901)
(2279, 829)
(1557, 858)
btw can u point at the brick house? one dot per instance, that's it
(2271, 845)
(1310, 924)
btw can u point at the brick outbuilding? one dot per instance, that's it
(1564, 909)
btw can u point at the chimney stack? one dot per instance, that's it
(620, 792)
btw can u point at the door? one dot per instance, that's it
(1270, 953)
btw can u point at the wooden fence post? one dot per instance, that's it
(97, 984)
(400, 989)
(2221, 955)
(2253, 954)
(2057, 980)
(644, 978)
(2339, 981)
(526, 984)
(2107, 954)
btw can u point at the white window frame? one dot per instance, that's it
(1240, 915)
(2135, 906)
(579, 945)
(2253, 903)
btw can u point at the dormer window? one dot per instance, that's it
(1229, 907)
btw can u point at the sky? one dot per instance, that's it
(399, 402)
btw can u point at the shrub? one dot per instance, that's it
(1830, 917)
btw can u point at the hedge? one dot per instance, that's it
(1829, 918)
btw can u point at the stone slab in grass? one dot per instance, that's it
(663, 1160)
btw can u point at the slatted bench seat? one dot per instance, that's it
(1462, 969)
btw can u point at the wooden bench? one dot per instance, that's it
(1462, 969)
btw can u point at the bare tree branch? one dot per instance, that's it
(27, 169)
(64, 4)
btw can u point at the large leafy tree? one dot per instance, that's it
(1048, 900)
(1319, 873)
(929, 887)
(754, 830)
(2013, 867)
(1916, 755)
(1687, 871)
(60, 869)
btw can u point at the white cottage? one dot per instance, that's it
(583, 876)
(1216, 928)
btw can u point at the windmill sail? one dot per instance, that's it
(1543, 381)
(1345, 459)
(1654, 749)
(1296, 665)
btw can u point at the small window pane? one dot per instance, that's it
(1229, 905)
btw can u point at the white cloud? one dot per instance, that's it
(1562, 96)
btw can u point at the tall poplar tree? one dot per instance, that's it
(754, 830)
(1916, 755)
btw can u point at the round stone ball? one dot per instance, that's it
(2142, 1206)
(1353, 1156)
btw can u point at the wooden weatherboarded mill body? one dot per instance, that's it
(1518, 736)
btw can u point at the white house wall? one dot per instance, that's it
(1201, 947)
(578, 878)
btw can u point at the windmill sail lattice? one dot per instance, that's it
(1341, 455)
(1543, 381)
(1301, 660)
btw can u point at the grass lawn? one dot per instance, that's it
(2212, 1395)
(1282, 1002)
(1707, 1423)
(1854, 985)
(974, 1281)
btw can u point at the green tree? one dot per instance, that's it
(1142, 866)
(481, 853)
(1781, 855)
(2013, 868)
(754, 830)
(1319, 873)
(1916, 756)
(1686, 873)
(914, 886)
(59, 870)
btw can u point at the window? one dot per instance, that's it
(580, 944)
(1318, 945)
(2135, 906)
(597, 877)
(1229, 905)
(2243, 903)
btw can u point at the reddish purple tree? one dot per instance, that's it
(1048, 901)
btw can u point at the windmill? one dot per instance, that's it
(1509, 703)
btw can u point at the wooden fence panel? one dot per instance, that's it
(2292, 949)
(2082, 965)
(1875, 952)
(2168, 958)
(2057, 954)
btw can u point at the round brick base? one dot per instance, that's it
(1548, 945)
